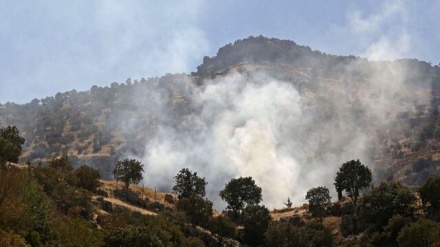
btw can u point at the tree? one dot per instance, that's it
(8, 152)
(429, 193)
(129, 171)
(197, 209)
(10, 144)
(12, 135)
(385, 201)
(222, 226)
(187, 183)
(317, 198)
(352, 177)
(255, 220)
(424, 232)
(241, 192)
(87, 178)
(390, 232)
(288, 203)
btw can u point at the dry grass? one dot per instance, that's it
(144, 192)
(332, 223)
(278, 214)
(118, 202)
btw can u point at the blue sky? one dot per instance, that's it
(55, 46)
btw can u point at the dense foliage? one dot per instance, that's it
(385, 201)
(188, 183)
(128, 171)
(256, 219)
(317, 198)
(10, 144)
(352, 177)
(240, 192)
(429, 193)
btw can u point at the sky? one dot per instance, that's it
(56, 46)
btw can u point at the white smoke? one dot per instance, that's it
(254, 126)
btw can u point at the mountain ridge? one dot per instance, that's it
(394, 103)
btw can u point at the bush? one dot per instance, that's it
(385, 201)
(255, 220)
(285, 234)
(424, 232)
(87, 178)
(197, 209)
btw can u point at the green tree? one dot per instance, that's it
(240, 192)
(255, 220)
(12, 135)
(390, 232)
(10, 144)
(8, 152)
(352, 177)
(129, 171)
(197, 209)
(385, 201)
(422, 233)
(188, 183)
(429, 193)
(87, 178)
(317, 198)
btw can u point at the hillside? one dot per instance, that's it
(307, 110)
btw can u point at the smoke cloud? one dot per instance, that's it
(285, 137)
(254, 125)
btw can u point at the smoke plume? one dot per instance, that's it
(254, 125)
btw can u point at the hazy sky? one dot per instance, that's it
(56, 46)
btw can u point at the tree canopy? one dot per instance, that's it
(424, 232)
(352, 177)
(10, 144)
(385, 201)
(429, 193)
(317, 198)
(187, 183)
(197, 209)
(12, 135)
(129, 171)
(240, 192)
(87, 177)
(255, 220)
